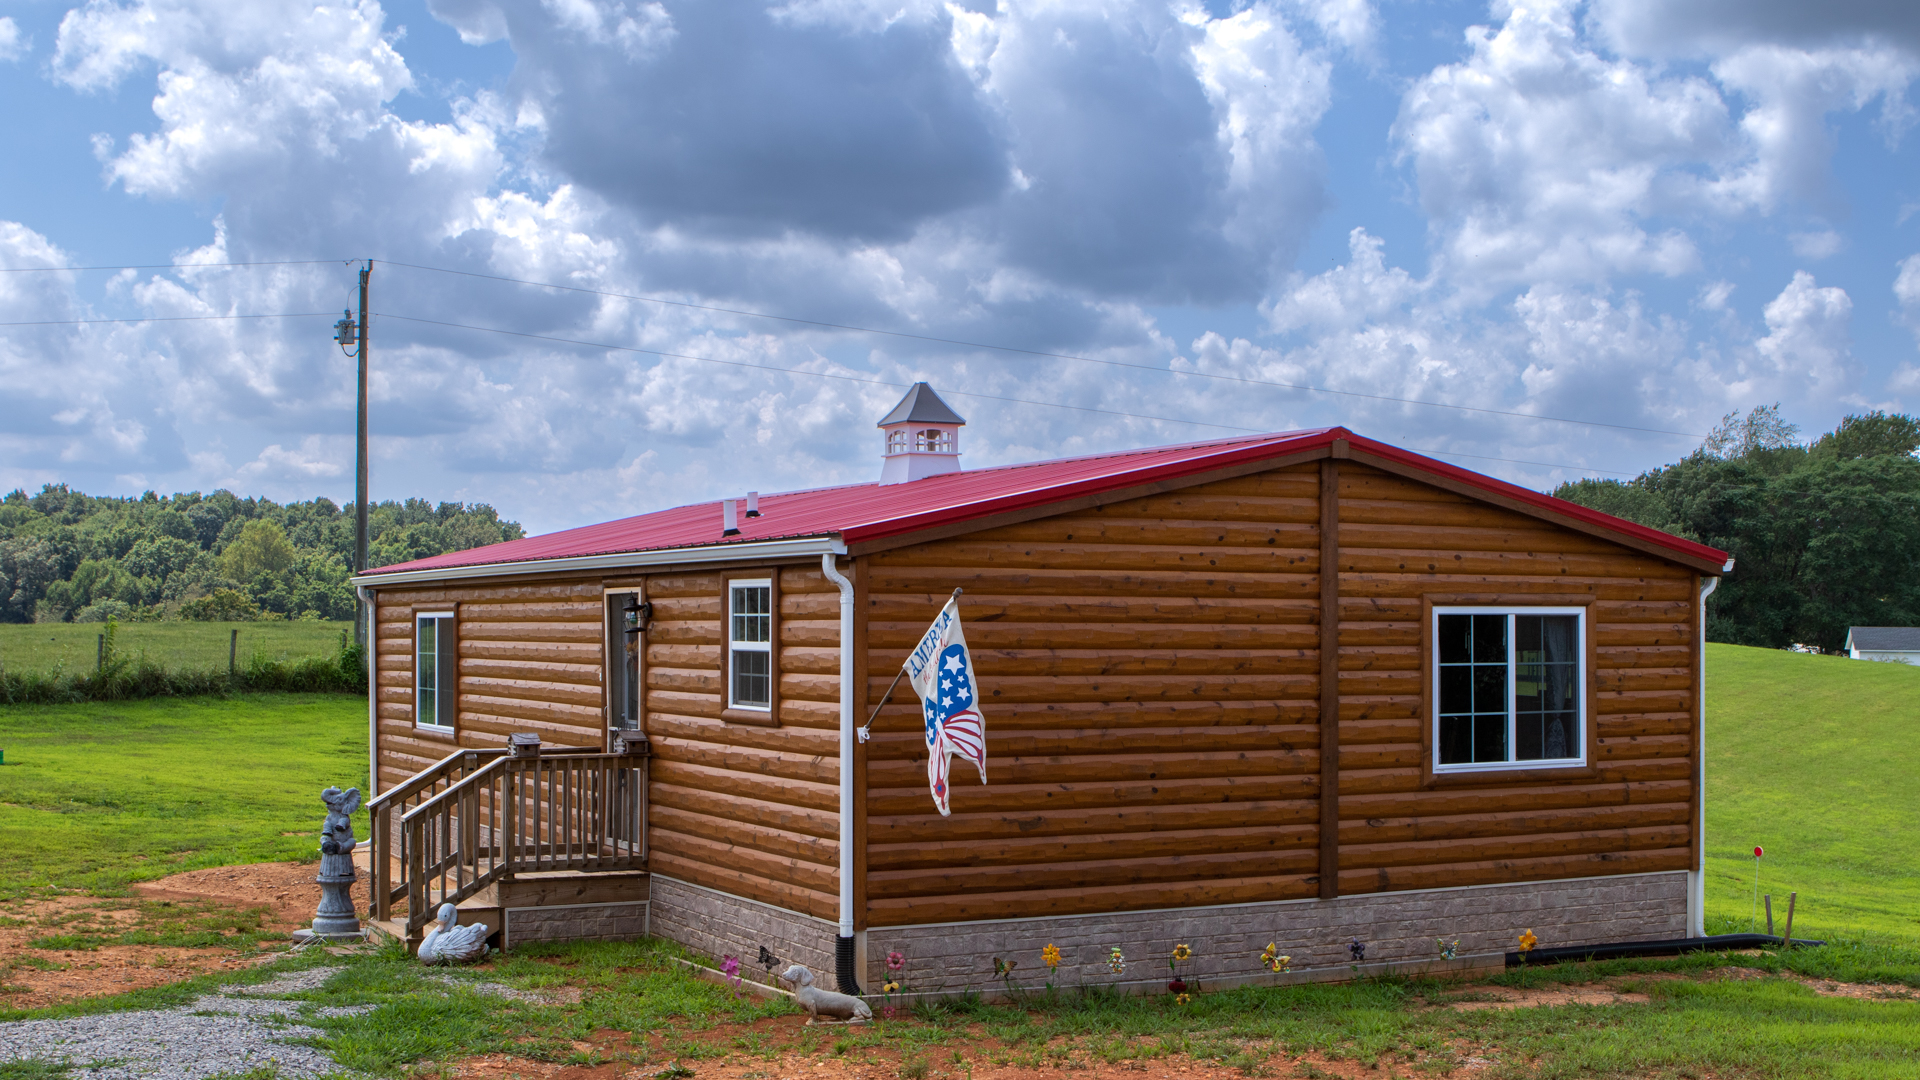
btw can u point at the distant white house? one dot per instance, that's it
(1900, 644)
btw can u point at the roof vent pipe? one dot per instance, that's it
(753, 504)
(729, 525)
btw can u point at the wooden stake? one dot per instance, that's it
(1769, 914)
(233, 650)
(1787, 941)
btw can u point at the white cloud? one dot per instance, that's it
(13, 44)
(1538, 159)
(1789, 146)
(1806, 353)
(1824, 244)
(1906, 289)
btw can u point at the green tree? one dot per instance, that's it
(261, 548)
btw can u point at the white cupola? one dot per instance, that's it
(923, 437)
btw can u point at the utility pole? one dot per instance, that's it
(351, 332)
(360, 464)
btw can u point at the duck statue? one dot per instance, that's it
(449, 943)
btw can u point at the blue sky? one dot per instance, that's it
(1634, 213)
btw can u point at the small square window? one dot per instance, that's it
(1509, 688)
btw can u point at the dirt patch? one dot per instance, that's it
(287, 890)
(888, 1065)
(784, 1048)
(1470, 998)
(63, 947)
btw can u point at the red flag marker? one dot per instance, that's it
(1757, 851)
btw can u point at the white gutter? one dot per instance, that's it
(1697, 877)
(846, 742)
(749, 551)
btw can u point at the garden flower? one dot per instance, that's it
(1183, 999)
(1527, 940)
(896, 961)
(1182, 952)
(1050, 956)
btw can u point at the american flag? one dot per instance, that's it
(941, 671)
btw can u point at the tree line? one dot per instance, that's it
(1825, 534)
(70, 557)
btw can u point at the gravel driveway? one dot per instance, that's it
(233, 1031)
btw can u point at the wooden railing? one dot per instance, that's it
(451, 835)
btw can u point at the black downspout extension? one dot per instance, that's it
(843, 966)
(1670, 947)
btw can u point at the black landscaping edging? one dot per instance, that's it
(1670, 947)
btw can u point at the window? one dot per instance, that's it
(896, 442)
(750, 644)
(1509, 688)
(435, 670)
(931, 439)
(626, 620)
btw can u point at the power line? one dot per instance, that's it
(1042, 353)
(803, 371)
(170, 266)
(171, 318)
(955, 393)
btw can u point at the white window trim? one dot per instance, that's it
(1580, 692)
(615, 648)
(438, 681)
(751, 646)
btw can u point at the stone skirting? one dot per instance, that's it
(716, 924)
(1397, 928)
(575, 922)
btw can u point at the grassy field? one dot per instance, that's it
(1813, 757)
(95, 796)
(1817, 760)
(1809, 756)
(73, 647)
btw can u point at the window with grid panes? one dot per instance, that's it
(1509, 688)
(750, 644)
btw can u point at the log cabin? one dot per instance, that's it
(1304, 688)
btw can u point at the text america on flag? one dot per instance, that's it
(941, 671)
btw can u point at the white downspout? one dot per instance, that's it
(1697, 876)
(844, 951)
(366, 596)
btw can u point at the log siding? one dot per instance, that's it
(1150, 675)
(1153, 685)
(1406, 545)
(738, 805)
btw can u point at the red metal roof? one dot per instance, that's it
(860, 512)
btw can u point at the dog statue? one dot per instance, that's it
(840, 1008)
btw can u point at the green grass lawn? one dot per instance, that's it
(1817, 760)
(1810, 756)
(74, 647)
(95, 796)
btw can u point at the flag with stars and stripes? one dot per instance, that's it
(941, 671)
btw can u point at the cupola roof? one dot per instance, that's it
(921, 406)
